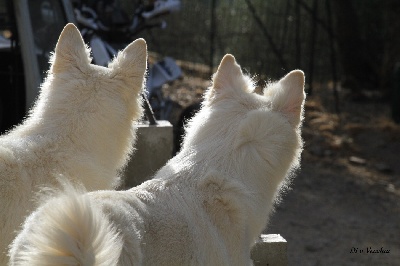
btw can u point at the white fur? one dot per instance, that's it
(208, 204)
(78, 219)
(81, 127)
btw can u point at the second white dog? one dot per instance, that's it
(207, 206)
(81, 127)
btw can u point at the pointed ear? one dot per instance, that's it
(227, 73)
(288, 96)
(132, 61)
(70, 51)
(229, 77)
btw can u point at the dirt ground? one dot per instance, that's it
(345, 200)
(344, 203)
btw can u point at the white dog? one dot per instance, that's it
(207, 206)
(81, 127)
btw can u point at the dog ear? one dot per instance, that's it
(227, 73)
(132, 61)
(70, 51)
(287, 96)
(229, 77)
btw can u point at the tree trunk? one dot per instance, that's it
(356, 69)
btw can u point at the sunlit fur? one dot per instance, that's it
(81, 126)
(208, 204)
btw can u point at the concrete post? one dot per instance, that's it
(154, 146)
(270, 250)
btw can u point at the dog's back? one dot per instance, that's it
(209, 203)
(81, 127)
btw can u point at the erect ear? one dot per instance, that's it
(132, 61)
(229, 77)
(71, 51)
(227, 73)
(287, 96)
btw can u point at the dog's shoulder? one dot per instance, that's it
(10, 169)
(224, 198)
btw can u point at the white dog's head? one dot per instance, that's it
(85, 112)
(76, 91)
(244, 131)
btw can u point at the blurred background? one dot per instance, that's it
(355, 42)
(347, 194)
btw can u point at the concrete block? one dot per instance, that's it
(270, 250)
(154, 146)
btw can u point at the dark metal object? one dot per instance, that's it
(148, 111)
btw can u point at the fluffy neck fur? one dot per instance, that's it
(250, 143)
